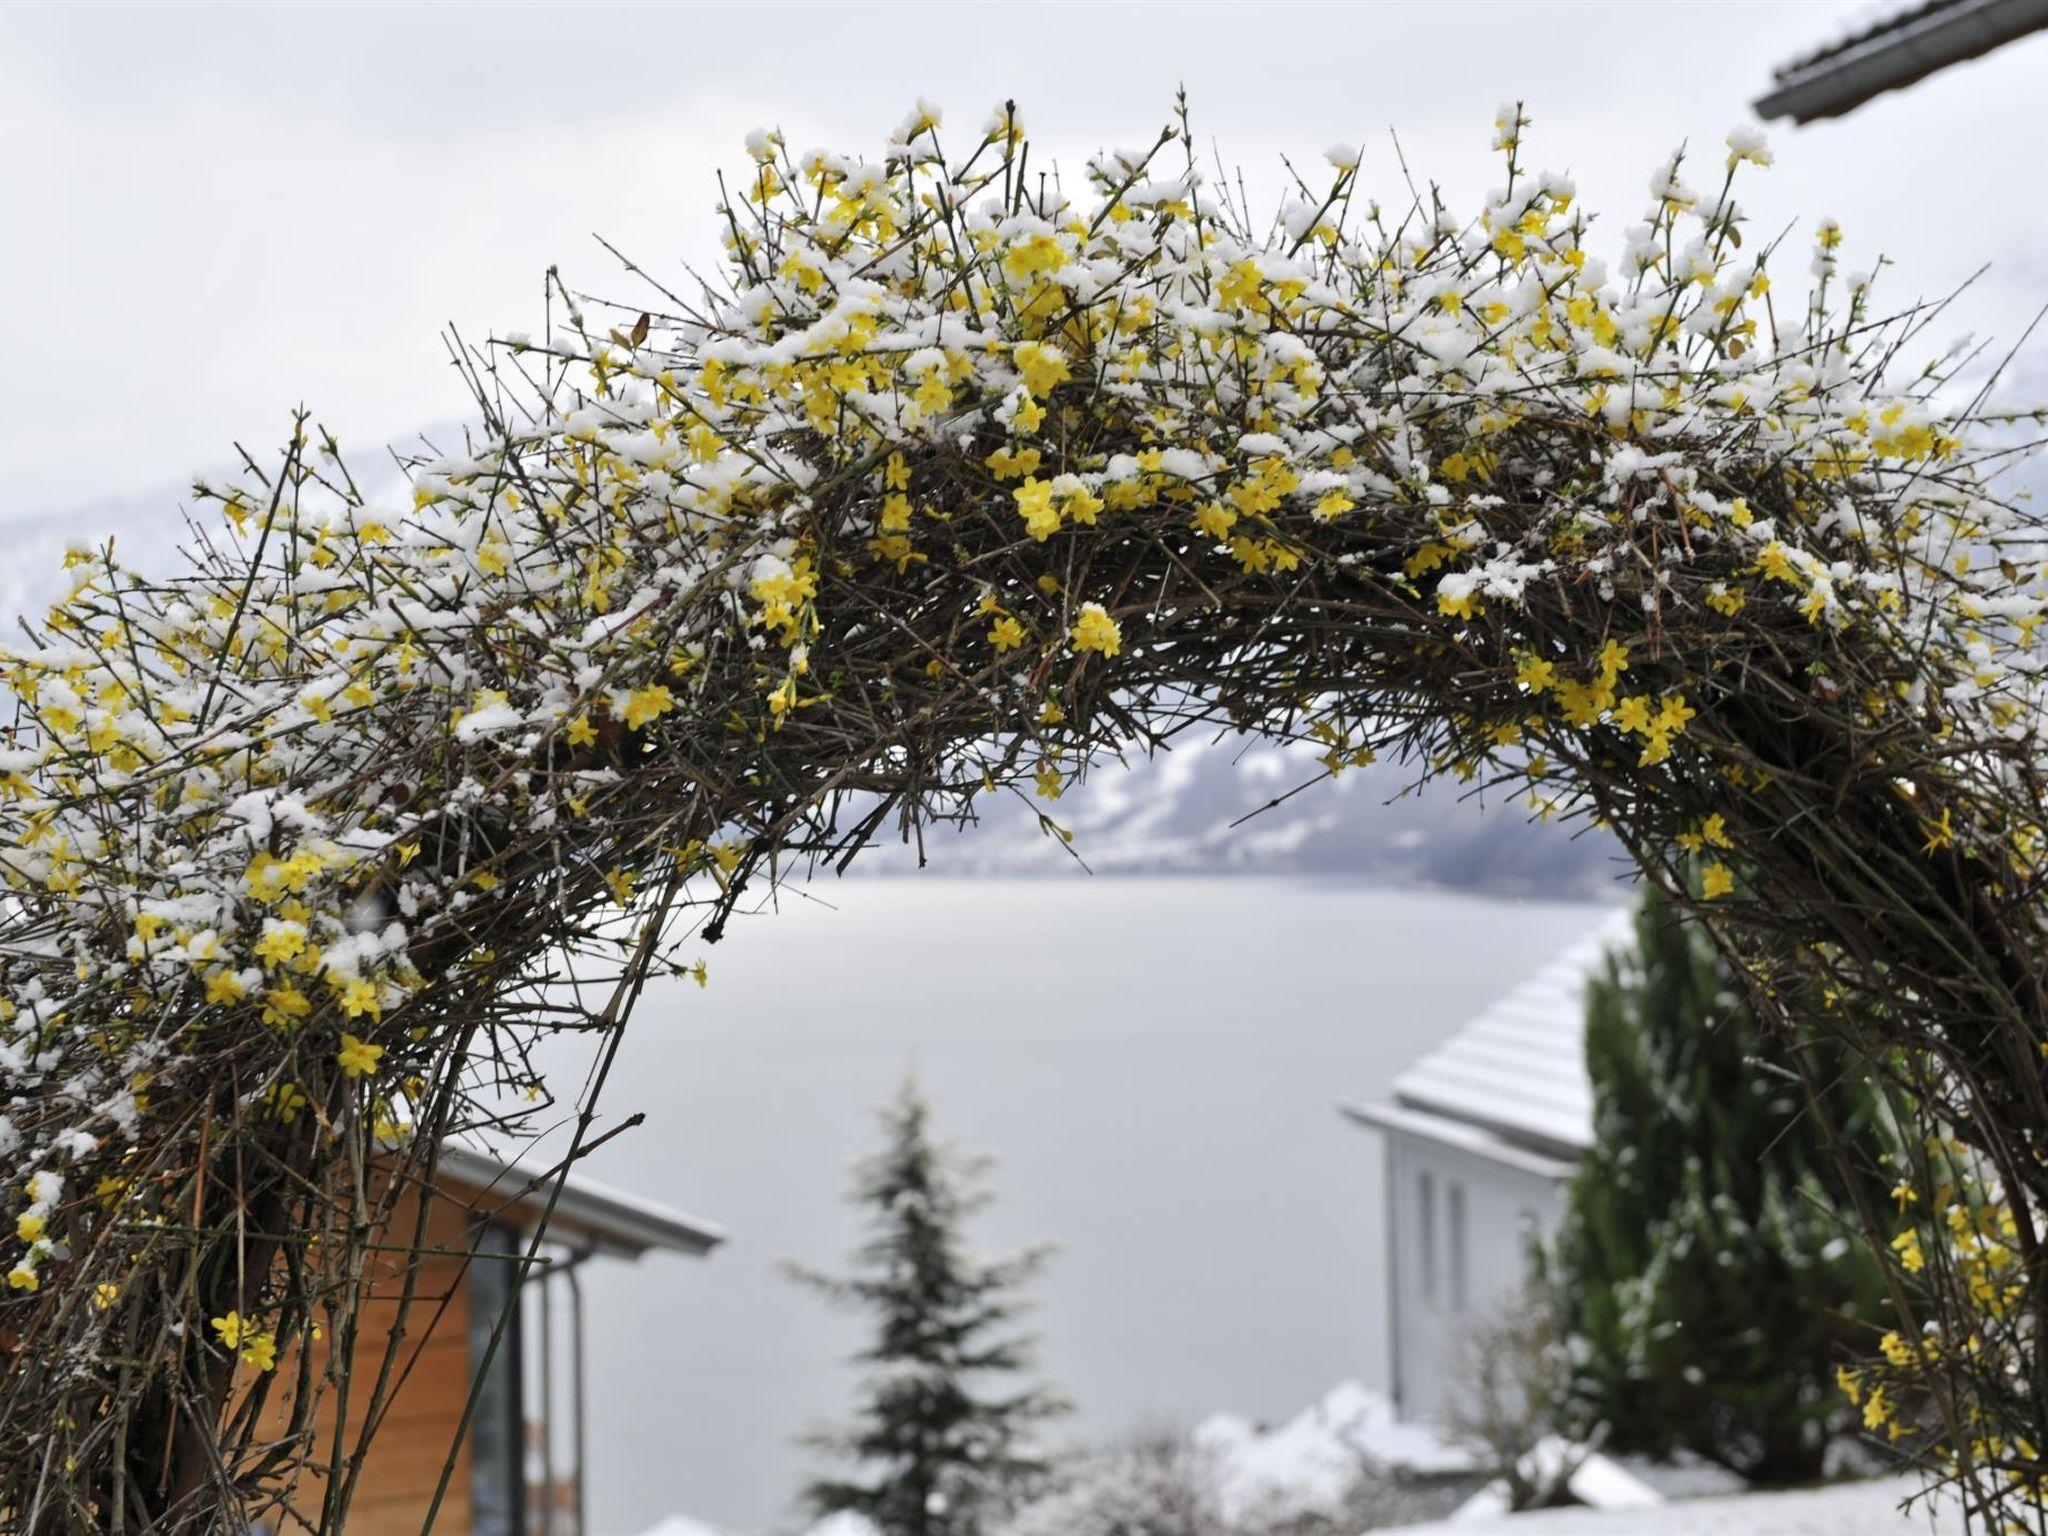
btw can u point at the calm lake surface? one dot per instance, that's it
(1154, 1064)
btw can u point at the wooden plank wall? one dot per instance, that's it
(411, 1445)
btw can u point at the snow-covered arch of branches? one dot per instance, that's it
(957, 485)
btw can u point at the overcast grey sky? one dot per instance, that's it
(214, 212)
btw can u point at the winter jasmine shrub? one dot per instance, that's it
(961, 477)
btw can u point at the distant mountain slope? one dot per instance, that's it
(146, 530)
(1174, 814)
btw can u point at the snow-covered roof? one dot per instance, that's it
(1519, 1069)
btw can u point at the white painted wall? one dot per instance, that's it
(1456, 1237)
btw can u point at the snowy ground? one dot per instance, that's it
(1304, 1464)
(1852, 1509)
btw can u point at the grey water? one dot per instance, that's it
(1155, 1065)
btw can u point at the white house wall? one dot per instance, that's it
(1448, 1265)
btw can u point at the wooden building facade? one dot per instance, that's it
(519, 1469)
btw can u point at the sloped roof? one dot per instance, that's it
(1893, 48)
(609, 1221)
(1519, 1069)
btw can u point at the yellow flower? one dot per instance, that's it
(260, 1350)
(1907, 1246)
(360, 997)
(1014, 463)
(1095, 630)
(1034, 253)
(225, 987)
(581, 732)
(1716, 880)
(1939, 833)
(256, 1346)
(1675, 714)
(645, 705)
(1050, 784)
(1041, 367)
(283, 1005)
(1776, 565)
(280, 942)
(1215, 520)
(285, 1101)
(1006, 634)
(1035, 506)
(30, 1227)
(1535, 674)
(1332, 505)
(357, 1057)
(104, 1295)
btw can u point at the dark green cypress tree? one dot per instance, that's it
(938, 1447)
(1709, 1271)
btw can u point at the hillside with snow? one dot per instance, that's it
(1229, 806)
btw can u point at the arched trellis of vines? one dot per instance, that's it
(955, 486)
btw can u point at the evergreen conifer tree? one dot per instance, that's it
(1709, 1272)
(938, 1446)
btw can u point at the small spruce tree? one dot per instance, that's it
(1709, 1272)
(939, 1448)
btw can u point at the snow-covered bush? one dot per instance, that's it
(1507, 1398)
(1162, 1482)
(957, 483)
(1156, 1483)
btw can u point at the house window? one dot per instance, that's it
(1455, 1195)
(497, 1474)
(1425, 1189)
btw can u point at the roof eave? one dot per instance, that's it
(1920, 45)
(615, 1224)
(1555, 1161)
